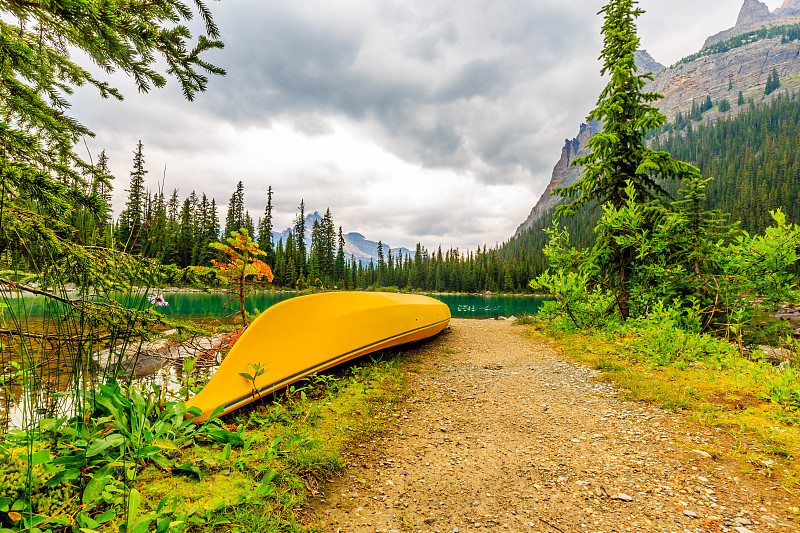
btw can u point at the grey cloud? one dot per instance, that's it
(478, 77)
(427, 85)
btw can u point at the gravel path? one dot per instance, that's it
(501, 433)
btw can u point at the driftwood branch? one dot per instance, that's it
(51, 336)
(33, 290)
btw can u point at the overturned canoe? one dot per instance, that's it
(305, 335)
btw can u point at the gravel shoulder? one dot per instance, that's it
(501, 432)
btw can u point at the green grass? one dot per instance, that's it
(704, 378)
(294, 443)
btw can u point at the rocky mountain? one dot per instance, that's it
(355, 244)
(755, 15)
(564, 173)
(721, 75)
(645, 63)
(789, 7)
(753, 11)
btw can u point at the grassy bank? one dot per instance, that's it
(749, 399)
(255, 472)
(292, 444)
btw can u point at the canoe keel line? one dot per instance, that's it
(302, 336)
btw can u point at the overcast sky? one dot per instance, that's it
(427, 121)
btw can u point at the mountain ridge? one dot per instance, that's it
(720, 76)
(356, 245)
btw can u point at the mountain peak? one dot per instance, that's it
(789, 7)
(754, 11)
(645, 63)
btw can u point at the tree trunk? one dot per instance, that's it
(624, 276)
(241, 301)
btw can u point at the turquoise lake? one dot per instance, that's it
(205, 305)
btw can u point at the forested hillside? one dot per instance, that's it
(754, 158)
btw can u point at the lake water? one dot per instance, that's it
(201, 305)
(212, 305)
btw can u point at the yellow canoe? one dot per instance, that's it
(305, 335)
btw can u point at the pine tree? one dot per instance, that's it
(339, 273)
(265, 230)
(618, 153)
(328, 230)
(696, 113)
(235, 219)
(314, 259)
(300, 240)
(740, 101)
(156, 227)
(38, 71)
(381, 272)
(101, 186)
(132, 217)
(773, 82)
(247, 223)
(213, 221)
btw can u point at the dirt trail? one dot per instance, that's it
(501, 433)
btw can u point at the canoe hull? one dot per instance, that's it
(302, 336)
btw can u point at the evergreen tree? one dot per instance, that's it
(619, 155)
(247, 223)
(339, 273)
(132, 217)
(316, 249)
(213, 221)
(696, 113)
(707, 105)
(328, 230)
(740, 101)
(773, 82)
(265, 230)
(186, 235)
(724, 105)
(235, 219)
(38, 71)
(300, 239)
(157, 227)
(174, 206)
(680, 121)
(101, 186)
(381, 272)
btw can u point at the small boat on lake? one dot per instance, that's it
(302, 336)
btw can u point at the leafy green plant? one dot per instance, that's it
(191, 384)
(93, 457)
(784, 388)
(257, 370)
